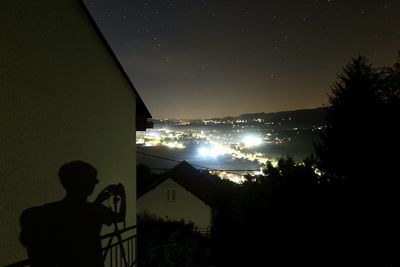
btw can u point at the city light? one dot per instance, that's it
(211, 152)
(236, 178)
(211, 143)
(252, 140)
(173, 145)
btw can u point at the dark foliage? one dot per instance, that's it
(171, 243)
(347, 216)
(358, 155)
(270, 219)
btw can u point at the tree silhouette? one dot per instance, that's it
(269, 219)
(353, 114)
(356, 154)
(347, 216)
(391, 86)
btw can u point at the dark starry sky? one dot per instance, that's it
(203, 58)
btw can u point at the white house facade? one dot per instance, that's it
(171, 201)
(64, 97)
(182, 194)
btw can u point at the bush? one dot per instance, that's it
(170, 243)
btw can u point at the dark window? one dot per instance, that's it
(171, 195)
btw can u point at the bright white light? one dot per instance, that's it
(236, 178)
(155, 142)
(153, 133)
(140, 141)
(260, 172)
(173, 145)
(251, 140)
(211, 152)
(203, 151)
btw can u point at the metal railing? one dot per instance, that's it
(120, 251)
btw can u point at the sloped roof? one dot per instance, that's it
(192, 180)
(142, 113)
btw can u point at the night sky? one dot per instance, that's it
(203, 59)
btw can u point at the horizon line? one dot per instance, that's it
(234, 116)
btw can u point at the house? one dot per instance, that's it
(63, 96)
(183, 193)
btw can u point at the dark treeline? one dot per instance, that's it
(340, 206)
(347, 215)
(164, 243)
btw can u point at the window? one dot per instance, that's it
(171, 195)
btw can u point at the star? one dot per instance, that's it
(255, 35)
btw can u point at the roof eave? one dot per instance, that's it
(142, 113)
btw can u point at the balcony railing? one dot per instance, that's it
(119, 249)
(123, 251)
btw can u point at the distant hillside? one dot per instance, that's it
(301, 117)
(294, 118)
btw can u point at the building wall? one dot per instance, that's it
(186, 206)
(62, 98)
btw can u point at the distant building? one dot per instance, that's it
(63, 96)
(183, 193)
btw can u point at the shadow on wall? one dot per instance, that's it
(67, 232)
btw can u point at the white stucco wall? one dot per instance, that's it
(187, 206)
(62, 97)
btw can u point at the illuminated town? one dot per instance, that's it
(256, 141)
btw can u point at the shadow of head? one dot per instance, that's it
(78, 178)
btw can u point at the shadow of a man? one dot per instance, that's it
(67, 232)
